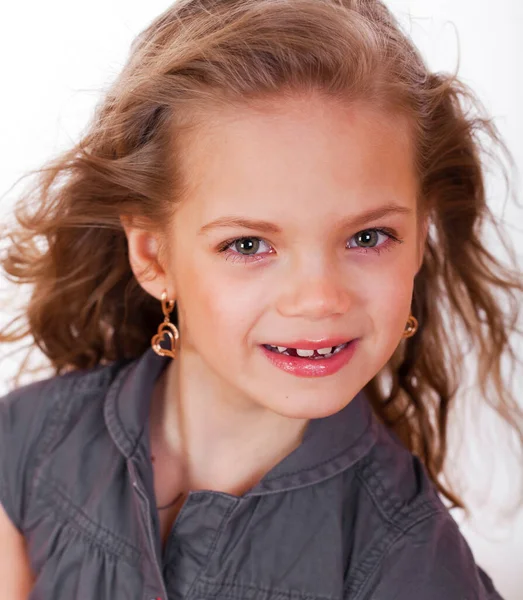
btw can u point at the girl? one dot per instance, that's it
(242, 277)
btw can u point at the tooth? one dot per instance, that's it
(324, 350)
(281, 348)
(304, 353)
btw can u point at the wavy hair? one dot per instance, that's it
(86, 306)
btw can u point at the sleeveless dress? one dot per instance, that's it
(348, 515)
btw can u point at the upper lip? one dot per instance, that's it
(313, 344)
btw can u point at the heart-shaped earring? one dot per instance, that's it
(166, 329)
(411, 327)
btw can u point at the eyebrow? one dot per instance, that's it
(268, 227)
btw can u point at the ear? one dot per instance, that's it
(145, 259)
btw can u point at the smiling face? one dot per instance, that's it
(276, 245)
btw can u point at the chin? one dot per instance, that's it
(314, 407)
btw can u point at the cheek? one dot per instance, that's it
(218, 309)
(388, 299)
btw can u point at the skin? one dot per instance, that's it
(15, 572)
(307, 165)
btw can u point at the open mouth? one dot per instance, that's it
(318, 354)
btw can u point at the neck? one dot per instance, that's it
(223, 441)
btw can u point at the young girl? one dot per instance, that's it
(247, 276)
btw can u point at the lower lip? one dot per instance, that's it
(312, 367)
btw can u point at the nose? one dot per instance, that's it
(314, 291)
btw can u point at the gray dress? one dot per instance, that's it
(349, 515)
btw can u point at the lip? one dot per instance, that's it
(309, 367)
(312, 344)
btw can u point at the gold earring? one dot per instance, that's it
(166, 329)
(411, 327)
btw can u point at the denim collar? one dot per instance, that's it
(329, 445)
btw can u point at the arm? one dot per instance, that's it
(15, 572)
(21, 427)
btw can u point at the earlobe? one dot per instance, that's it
(143, 250)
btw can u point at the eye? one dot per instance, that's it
(245, 248)
(251, 249)
(370, 238)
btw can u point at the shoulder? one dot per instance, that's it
(431, 560)
(420, 551)
(44, 404)
(32, 420)
(36, 399)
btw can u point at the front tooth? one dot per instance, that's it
(281, 348)
(304, 353)
(324, 350)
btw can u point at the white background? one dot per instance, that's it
(57, 56)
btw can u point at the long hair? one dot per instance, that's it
(86, 306)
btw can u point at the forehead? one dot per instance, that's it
(310, 152)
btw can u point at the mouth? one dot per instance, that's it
(317, 359)
(310, 354)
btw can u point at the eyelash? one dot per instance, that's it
(247, 258)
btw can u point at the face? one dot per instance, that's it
(276, 245)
